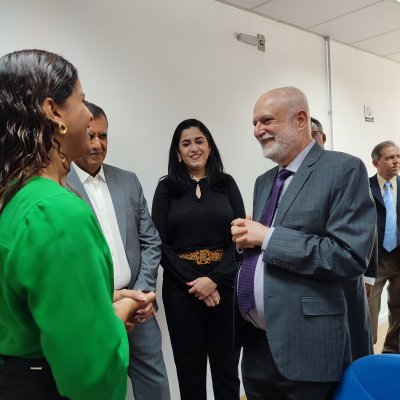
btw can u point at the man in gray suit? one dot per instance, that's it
(300, 288)
(317, 133)
(117, 198)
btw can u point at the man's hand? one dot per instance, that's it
(123, 308)
(144, 314)
(127, 293)
(247, 233)
(141, 306)
(202, 287)
(144, 310)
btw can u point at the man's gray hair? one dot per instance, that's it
(376, 152)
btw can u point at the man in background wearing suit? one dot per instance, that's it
(300, 287)
(117, 198)
(385, 187)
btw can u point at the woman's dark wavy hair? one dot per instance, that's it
(178, 174)
(27, 78)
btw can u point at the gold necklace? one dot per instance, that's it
(197, 178)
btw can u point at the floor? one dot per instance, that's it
(377, 348)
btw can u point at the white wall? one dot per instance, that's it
(151, 64)
(359, 78)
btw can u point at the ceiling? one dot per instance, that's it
(372, 26)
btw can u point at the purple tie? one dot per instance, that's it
(245, 291)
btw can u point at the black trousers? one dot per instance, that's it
(27, 379)
(198, 332)
(263, 381)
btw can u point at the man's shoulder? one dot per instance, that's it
(113, 168)
(268, 175)
(339, 157)
(337, 163)
(124, 173)
(373, 179)
(326, 160)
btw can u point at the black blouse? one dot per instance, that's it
(187, 223)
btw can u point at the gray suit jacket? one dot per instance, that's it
(143, 250)
(315, 305)
(139, 235)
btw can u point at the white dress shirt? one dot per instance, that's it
(100, 197)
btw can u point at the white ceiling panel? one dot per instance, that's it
(368, 22)
(247, 4)
(395, 57)
(370, 25)
(307, 13)
(382, 44)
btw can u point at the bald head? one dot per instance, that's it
(282, 123)
(287, 98)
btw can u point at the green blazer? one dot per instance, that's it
(50, 248)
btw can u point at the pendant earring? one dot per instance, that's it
(179, 158)
(62, 128)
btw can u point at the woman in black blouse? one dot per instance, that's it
(192, 209)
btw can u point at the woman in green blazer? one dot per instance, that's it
(59, 337)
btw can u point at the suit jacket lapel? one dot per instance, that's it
(298, 180)
(376, 190)
(398, 199)
(76, 184)
(116, 191)
(265, 190)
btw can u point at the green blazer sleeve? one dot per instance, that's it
(66, 278)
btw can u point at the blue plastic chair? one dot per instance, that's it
(375, 377)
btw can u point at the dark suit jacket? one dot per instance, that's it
(315, 306)
(381, 210)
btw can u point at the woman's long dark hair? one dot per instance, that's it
(178, 174)
(27, 78)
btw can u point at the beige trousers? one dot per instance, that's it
(388, 271)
